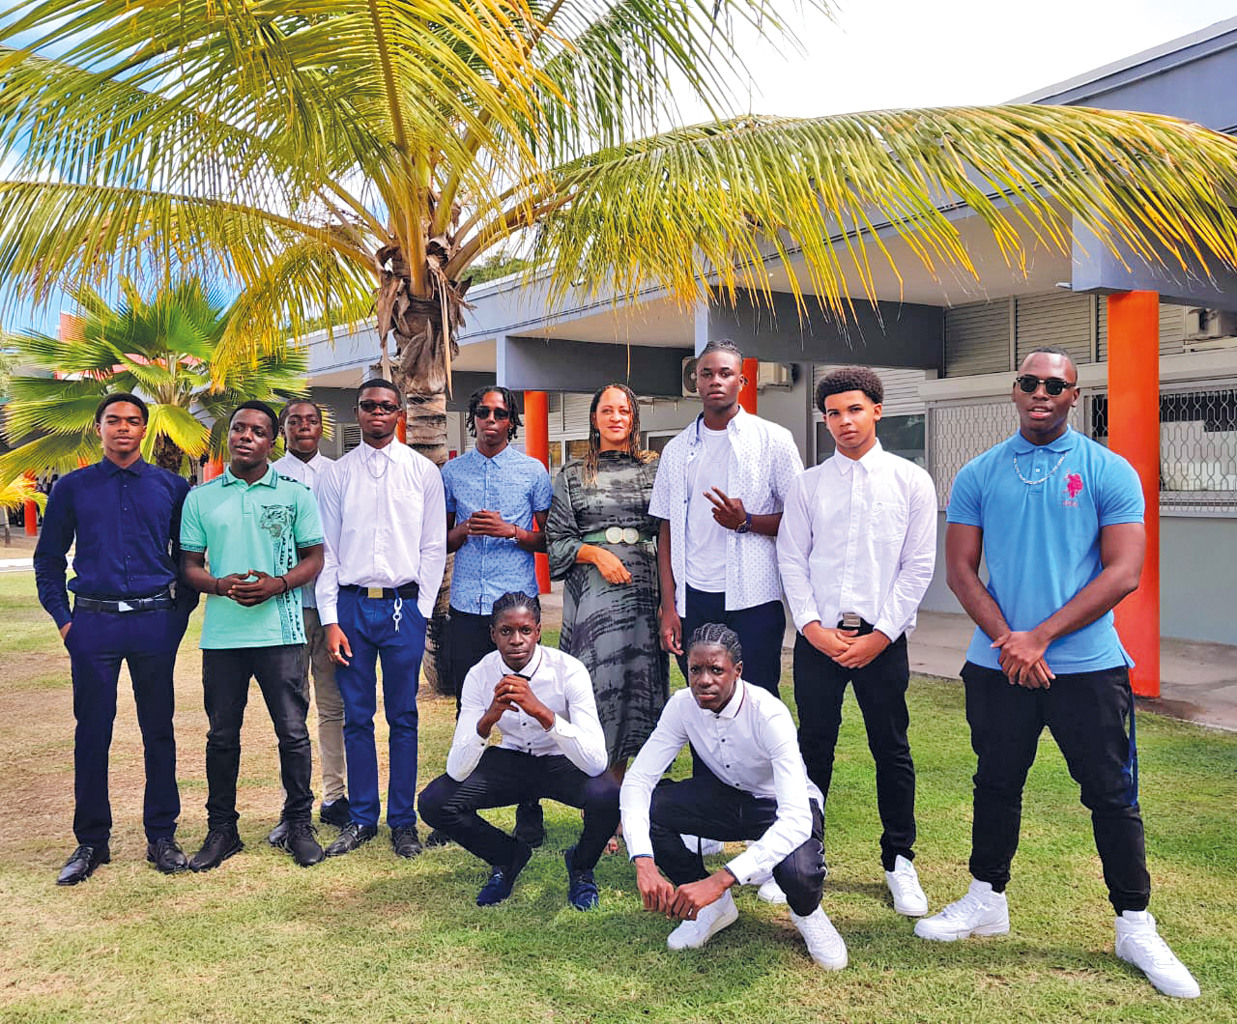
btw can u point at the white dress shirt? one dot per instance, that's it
(307, 473)
(750, 744)
(763, 463)
(561, 683)
(384, 521)
(859, 536)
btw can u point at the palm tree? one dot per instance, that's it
(361, 156)
(163, 349)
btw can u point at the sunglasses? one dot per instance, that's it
(1053, 385)
(372, 407)
(484, 412)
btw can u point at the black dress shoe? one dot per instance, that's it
(337, 813)
(300, 841)
(405, 842)
(436, 839)
(166, 855)
(82, 863)
(278, 834)
(220, 844)
(354, 834)
(530, 824)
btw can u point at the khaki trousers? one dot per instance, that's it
(330, 708)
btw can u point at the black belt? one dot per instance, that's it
(121, 605)
(408, 591)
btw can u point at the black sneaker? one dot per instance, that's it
(300, 841)
(219, 844)
(167, 856)
(82, 862)
(337, 813)
(354, 834)
(437, 838)
(405, 841)
(502, 880)
(277, 836)
(581, 888)
(530, 824)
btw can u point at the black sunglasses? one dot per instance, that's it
(372, 407)
(484, 412)
(1053, 385)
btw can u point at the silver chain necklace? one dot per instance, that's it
(1036, 483)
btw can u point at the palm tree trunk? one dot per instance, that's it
(168, 454)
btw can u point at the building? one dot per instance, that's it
(946, 348)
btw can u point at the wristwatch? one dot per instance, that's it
(744, 526)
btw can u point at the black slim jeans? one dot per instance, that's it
(280, 672)
(505, 777)
(704, 806)
(468, 641)
(880, 689)
(1087, 713)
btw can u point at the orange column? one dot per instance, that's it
(31, 513)
(747, 394)
(1134, 431)
(212, 469)
(537, 444)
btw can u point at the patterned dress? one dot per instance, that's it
(612, 628)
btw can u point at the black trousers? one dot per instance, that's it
(880, 689)
(761, 630)
(97, 643)
(468, 641)
(704, 806)
(1087, 713)
(505, 777)
(225, 681)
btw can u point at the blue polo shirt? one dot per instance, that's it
(1042, 540)
(513, 484)
(244, 526)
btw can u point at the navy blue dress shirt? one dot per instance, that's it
(127, 526)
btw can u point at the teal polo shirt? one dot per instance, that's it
(244, 526)
(1042, 539)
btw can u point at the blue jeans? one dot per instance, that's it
(97, 643)
(371, 629)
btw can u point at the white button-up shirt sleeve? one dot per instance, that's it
(466, 746)
(917, 562)
(793, 824)
(580, 736)
(794, 548)
(433, 541)
(646, 770)
(326, 588)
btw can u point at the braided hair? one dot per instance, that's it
(508, 397)
(594, 435)
(516, 599)
(715, 634)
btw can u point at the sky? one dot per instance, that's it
(900, 53)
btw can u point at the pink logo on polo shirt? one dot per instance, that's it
(1073, 488)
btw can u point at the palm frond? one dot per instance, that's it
(54, 453)
(187, 432)
(15, 494)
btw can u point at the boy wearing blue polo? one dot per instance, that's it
(1060, 521)
(262, 535)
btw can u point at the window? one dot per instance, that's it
(901, 435)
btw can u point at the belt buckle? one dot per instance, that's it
(614, 535)
(630, 535)
(373, 592)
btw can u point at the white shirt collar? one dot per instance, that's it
(871, 460)
(733, 706)
(529, 670)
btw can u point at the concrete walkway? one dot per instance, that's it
(1198, 681)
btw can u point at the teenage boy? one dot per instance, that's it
(261, 534)
(856, 547)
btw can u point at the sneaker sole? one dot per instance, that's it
(1164, 988)
(981, 932)
(911, 911)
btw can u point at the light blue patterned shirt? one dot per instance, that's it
(516, 486)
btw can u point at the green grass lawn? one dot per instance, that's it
(369, 937)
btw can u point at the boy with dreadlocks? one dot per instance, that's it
(756, 789)
(494, 495)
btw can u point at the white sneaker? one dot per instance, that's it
(823, 941)
(980, 912)
(903, 882)
(1140, 944)
(721, 913)
(707, 847)
(771, 892)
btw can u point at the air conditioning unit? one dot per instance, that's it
(1209, 329)
(769, 375)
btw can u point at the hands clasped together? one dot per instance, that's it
(679, 903)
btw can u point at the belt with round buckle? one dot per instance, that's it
(622, 535)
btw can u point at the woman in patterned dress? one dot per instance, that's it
(603, 542)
